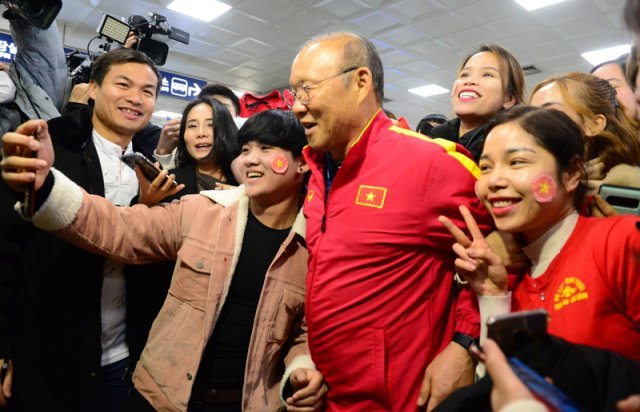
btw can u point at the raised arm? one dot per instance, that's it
(132, 235)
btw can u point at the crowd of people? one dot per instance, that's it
(322, 258)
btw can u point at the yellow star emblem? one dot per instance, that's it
(370, 197)
(544, 188)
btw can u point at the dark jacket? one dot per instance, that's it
(57, 330)
(473, 140)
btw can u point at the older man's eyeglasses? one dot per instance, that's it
(302, 92)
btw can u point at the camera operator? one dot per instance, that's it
(38, 74)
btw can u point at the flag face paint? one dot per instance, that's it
(544, 188)
(279, 164)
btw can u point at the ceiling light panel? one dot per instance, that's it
(205, 10)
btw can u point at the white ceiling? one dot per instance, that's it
(420, 41)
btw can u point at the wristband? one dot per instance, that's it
(464, 340)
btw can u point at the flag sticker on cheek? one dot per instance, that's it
(544, 188)
(279, 164)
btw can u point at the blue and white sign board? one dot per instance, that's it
(7, 48)
(180, 86)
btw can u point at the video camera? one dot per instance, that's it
(40, 13)
(153, 35)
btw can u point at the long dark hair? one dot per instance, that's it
(555, 132)
(225, 144)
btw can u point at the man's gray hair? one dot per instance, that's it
(358, 52)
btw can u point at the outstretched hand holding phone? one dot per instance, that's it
(19, 168)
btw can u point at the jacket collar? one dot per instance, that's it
(228, 197)
(225, 197)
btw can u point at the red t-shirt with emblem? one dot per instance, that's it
(591, 290)
(381, 300)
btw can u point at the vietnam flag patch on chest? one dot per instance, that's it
(371, 196)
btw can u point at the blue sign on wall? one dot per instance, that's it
(179, 86)
(7, 48)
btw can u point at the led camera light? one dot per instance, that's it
(114, 29)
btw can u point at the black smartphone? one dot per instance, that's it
(29, 204)
(625, 200)
(543, 390)
(514, 330)
(149, 170)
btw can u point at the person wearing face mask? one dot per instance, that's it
(7, 87)
(489, 80)
(38, 74)
(8, 115)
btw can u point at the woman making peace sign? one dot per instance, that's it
(584, 271)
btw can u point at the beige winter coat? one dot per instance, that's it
(203, 233)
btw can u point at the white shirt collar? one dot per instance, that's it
(546, 247)
(109, 148)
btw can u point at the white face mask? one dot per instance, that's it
(7, 88)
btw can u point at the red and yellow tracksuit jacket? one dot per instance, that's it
(381, 298)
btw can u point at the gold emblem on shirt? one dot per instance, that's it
(571, 290)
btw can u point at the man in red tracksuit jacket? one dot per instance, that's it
(382, 303)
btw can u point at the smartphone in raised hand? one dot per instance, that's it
(148, 169)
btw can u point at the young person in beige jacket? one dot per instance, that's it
(219, 285)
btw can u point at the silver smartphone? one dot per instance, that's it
(625, 200)
(149, 170)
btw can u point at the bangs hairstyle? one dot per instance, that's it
(510, 70)
(588, 96)
(225, 145)
(274, 128)
(556, 133)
